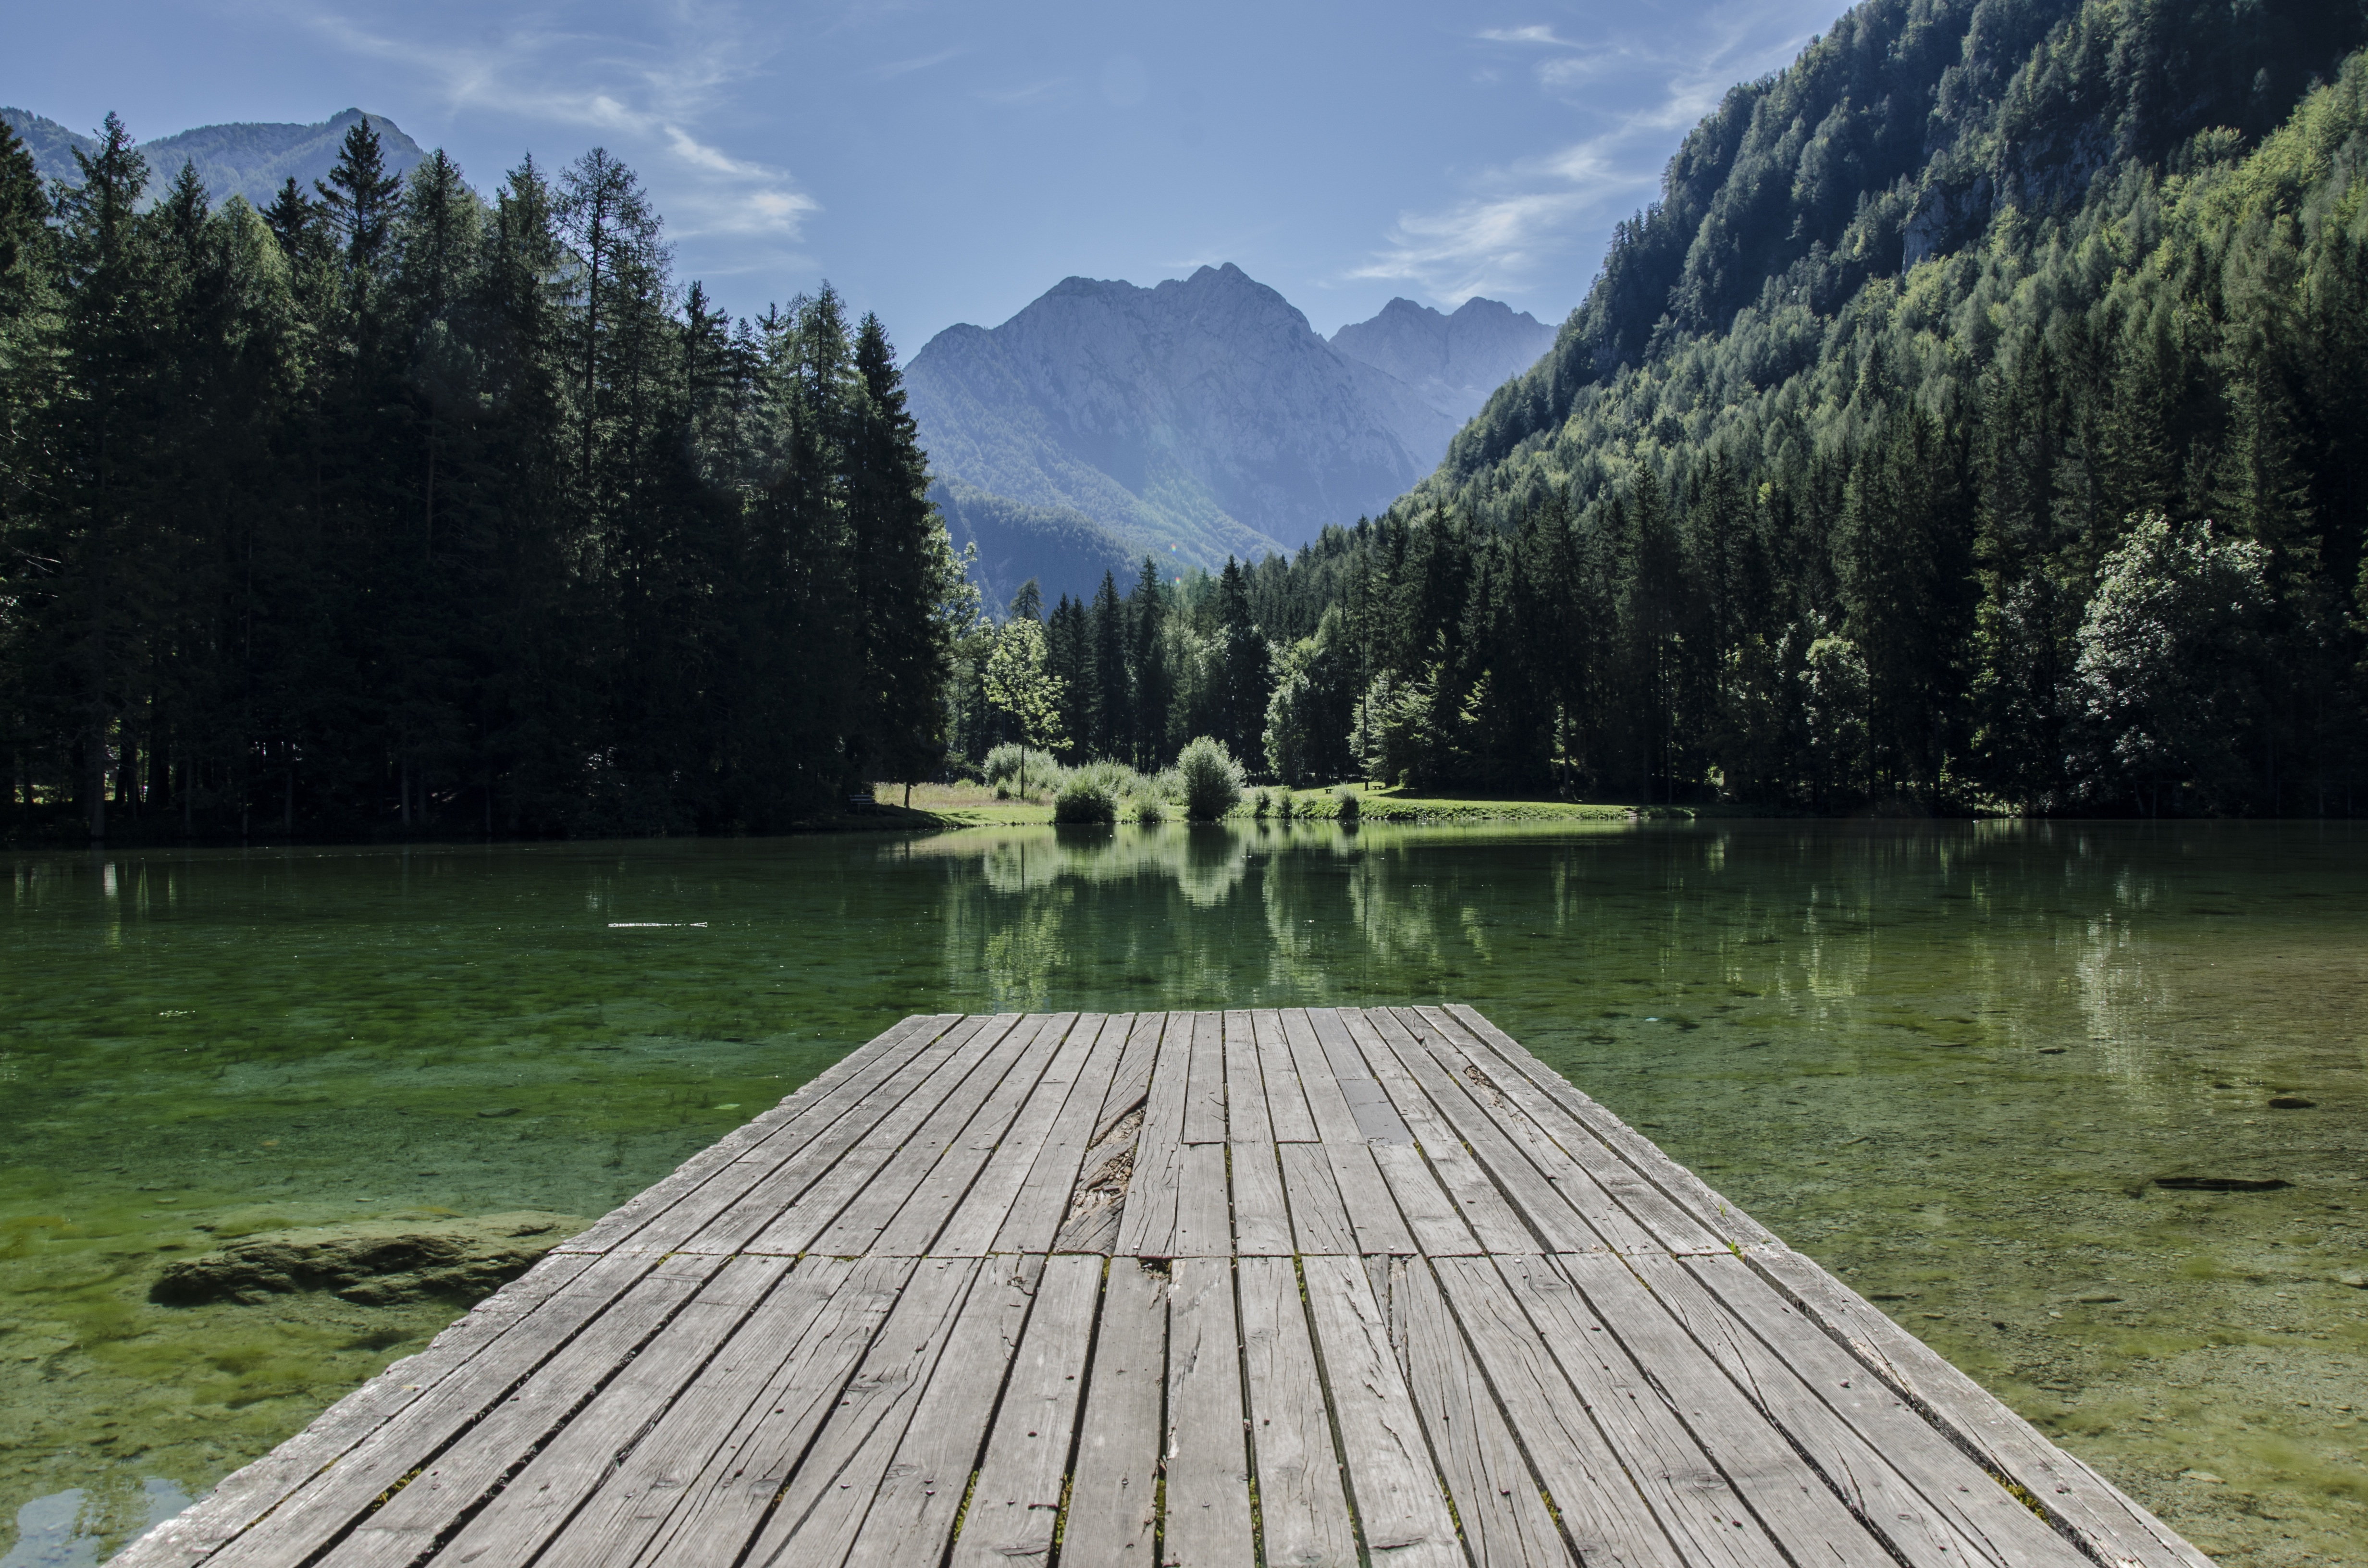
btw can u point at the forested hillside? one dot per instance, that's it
(388, 506)
(1976, 419)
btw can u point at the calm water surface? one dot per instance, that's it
(1946, 1060)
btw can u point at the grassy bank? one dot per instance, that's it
(942, 806)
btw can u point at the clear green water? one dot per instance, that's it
(1946, 1059)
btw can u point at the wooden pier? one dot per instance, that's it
(1291, 1287)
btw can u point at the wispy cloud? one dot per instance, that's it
(1025, 93)
(1521, 218)
(896, 68)
(653, 92)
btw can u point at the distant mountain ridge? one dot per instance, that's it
(1194, 420)
(252, 160)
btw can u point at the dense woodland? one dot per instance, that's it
(393, 507)
(1977, 421)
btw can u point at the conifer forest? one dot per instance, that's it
(1975, 422)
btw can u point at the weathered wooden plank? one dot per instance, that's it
(1147, 1225)
(1492, 1222)
(1372, 1212)
(860, 1090)
(849, 1158)
(920, 1495)
(1319, 1220)
(1604, 1514)
(1205, 1093)
(1202, 1226)
(1400, 1510)
(338, 1494)
(2095, 1510)
(1499, 1502)
(1261, 1215)
(1693, 1502)
(713, 1464)
(1648, 1220)
(1286, 1102)
(925, 1212)
(1674, 1179)
(1016, 1500)
(1246, 1120)
(1044, 1199)
(1131, 1080)
(1430, 1217)
(1208, 1514)
(1112, 1515)
(1303, 1513)
(812, 1518)
(844, 1213)
(1934, 1504)
(578, 1454)
(1327, 1106)
(1792, 1499)
(1544, 1212)
(680, 1400)
(1616, 1227)
(1369, 1106)
(1012, 1151)
(248, 1493)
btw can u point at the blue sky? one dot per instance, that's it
(944, 162)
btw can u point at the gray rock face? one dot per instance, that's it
(374, 1262)
(249, 160)
(1190, 421)
(1454, 362)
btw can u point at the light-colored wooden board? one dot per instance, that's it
(813, 1519)
(1401, 1512)
(1369, 1106)
(1494, 1223)
(1246, 1120)
(921, 1494)
(1499, 1504)
(1372, 1212)
(1131, 1080)
(1008, 1151)
(1327, 1106)
(1935, 1505)
(1208, 1514)
(1205, 1093)
(1319, 1220)
(625, 1449)
(1261, 1216)
(1603, 1514)
(1286, 1101)
(853, 1162)
(1794, 1501)
(1042, 1201)
(1303, 1513)
(1147, 1225)
(573, 1450)
(1430, 1215)
(1112, 1515)
(1680, 1184)
(2095, 1511)
(681, 1508)
(1647, 1220)
(1203, 1225)
(1016, 1502)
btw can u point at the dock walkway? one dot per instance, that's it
(1303, 1287)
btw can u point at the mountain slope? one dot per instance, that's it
(1452, 361)
(249, 160)
(1194, 420)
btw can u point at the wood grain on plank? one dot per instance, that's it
(1042, 1202)
(1327, 1106)
(1246, 1120)
(1286, 1101)
(1401, 1512)
(1319, 1220)
(1016, 1500)
(1147, 1225)
(1208, 1514)
(919, 1496)
(1261, 1216)
(1131, 1080)
(1112, 1515)
(1499, 1502)
(1013, 1149)
(1494, 1223)
(1303, 1513)
(1793, 1500)
(1372, 1212)
(1204, 1094)
(1369, 1106)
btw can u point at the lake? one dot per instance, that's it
(1949, 1061)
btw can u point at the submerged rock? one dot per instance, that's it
(2292, 1102)
(372, 1262)
(2222, 1184)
